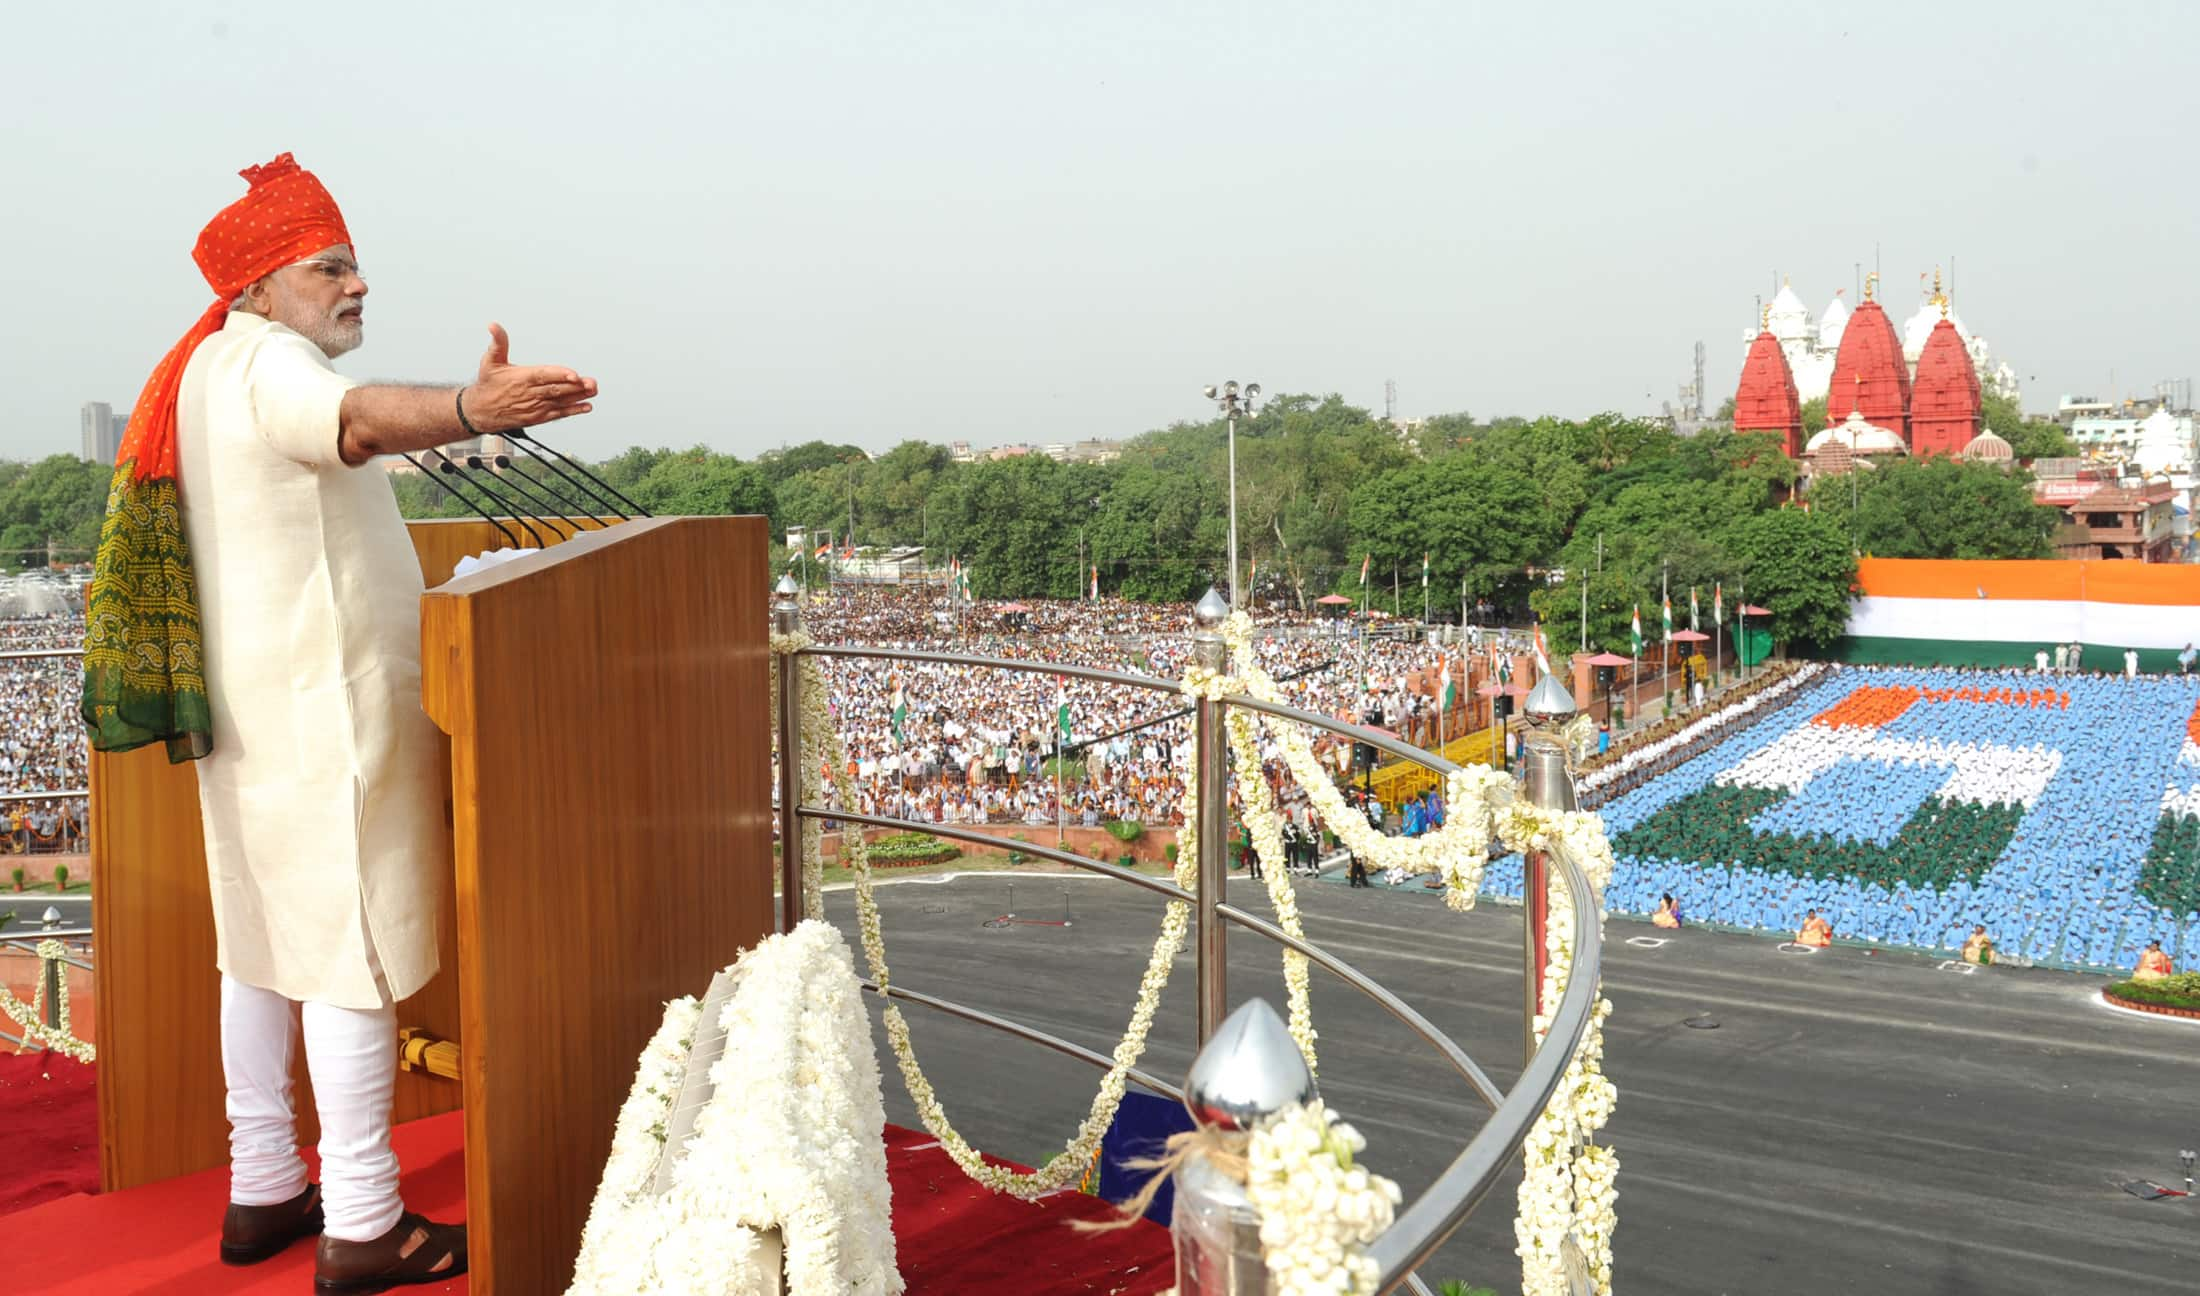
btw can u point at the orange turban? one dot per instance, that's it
(144, 676)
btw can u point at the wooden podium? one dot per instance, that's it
(607, 702)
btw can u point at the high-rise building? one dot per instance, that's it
(101, 431)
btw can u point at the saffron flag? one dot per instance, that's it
(825, 550)
(1635, 632)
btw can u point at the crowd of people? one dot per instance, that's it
(42, 745)
(977, 745)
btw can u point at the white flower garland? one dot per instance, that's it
(1266, 828)
(31, 1016)
(1067, 1166)
(1318, 1211)
(1568, 1194)
(1459, 851)
(1567, 1191)
(791, 1141)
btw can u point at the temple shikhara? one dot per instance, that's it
(1886, 396)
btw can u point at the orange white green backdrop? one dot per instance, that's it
(1923, 612)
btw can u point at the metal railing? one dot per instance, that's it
(27, 941)
(1430, 1219)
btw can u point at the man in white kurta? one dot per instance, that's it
(325, 838)
(320, 796)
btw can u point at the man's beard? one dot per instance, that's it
(332, 331)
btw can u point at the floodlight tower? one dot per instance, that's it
(1234, 403)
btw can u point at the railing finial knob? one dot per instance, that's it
(786, 610)
(1250, 1069)
(52, 917)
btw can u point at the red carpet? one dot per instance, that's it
(49, 1116)
(158, 1240)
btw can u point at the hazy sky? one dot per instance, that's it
(758, 224)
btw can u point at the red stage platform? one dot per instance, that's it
(951, 1235)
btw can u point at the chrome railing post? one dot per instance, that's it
(1212, 750)
(1551, 786)
(787, 620)
(52, 973)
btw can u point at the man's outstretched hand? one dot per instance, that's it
(506, 396)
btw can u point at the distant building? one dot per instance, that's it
(2106, 515)
(101, 432)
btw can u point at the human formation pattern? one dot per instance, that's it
(2060, 810)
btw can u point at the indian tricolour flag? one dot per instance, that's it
(898, 715)
(1061, 707)
(1635, 632)
(2002, 613)
(1363, 567)
(1451, 684)
(1424, 569)
(1718, 604)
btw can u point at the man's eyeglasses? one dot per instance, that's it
(333, 270)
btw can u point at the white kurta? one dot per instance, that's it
(322, 806)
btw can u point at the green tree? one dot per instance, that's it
(1798, 566)
(778, 465)
(59, 500)
(702, 482)
(1814, 417)
(2028, 438)
(1941, 507)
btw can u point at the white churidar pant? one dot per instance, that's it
(351, 1053)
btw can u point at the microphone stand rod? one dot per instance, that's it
(457, 476)
(524, 437)
(541, 492)
(467, 502)
(512, 494)
(598, 497)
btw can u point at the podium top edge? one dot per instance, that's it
(572, 549)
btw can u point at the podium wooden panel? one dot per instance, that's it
(608, 707)
(607, 704)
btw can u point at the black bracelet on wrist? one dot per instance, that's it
(463, 421)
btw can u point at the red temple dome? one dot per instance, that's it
(1944, 403)
(1765, 402)
(1869, 374)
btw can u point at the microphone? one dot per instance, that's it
(542, 491)
(474, 464)
(469, 504)
(456, 475)
(521, 438)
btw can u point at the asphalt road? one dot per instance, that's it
(76, 910)
(1854, 1124)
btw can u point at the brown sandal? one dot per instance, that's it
(415, 1250)
(251, 1234)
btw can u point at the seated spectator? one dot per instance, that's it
(2154, 965)
(1668, 915)
(1979, 948)
(1815, 931)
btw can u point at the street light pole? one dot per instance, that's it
(1232, 405)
